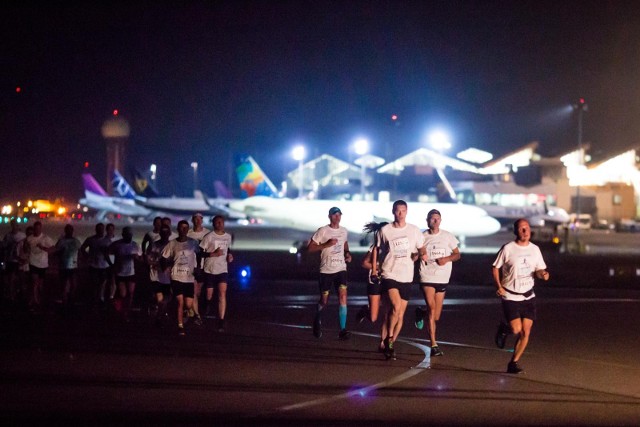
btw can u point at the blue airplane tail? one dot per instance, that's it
(252, 180)
(121, 187)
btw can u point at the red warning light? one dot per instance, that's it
(394, 117)
(115, 112)
(581, 100)
(18, 89)
(86, 165)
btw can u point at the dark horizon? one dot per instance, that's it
(202, 81)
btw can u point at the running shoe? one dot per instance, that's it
(197, 320)
(317, 326)
(181, 331)
(419, 318)
(514, 368)
(501, 335)
(435, 351)
(389, 351)
(363, 313)
(344, 334)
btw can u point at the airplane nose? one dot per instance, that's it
(489, 224)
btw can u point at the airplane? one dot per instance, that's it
(174, 205)
(537, 215)
(96, 198)
(308, 215)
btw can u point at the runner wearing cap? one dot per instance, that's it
(442, 251)
(331, 240)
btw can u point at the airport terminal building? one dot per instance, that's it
(607, 188)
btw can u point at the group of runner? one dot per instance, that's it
(400, 254)
(179, 264)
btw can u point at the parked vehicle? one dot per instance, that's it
(582, 222)
(628, 225)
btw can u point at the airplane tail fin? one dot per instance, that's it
(144, 185)
(253, 181)
(122, 187)
(222, 191)
(91, 185)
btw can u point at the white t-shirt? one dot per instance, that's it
(198, 235)
(438, 246)
(396, 246)
(211, 242)
(68, 254)
(518, 265)
(331, 258)
(38, 257)
(183, 255)
(124, 254)
(154, 253)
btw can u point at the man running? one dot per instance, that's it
(181, 255)
(125, 252)
(400, 244)
(38, 246)
(10, 257)
(94, 248)
(331, 240)
(217, 256)
(159, 277)
(67, 248)
(514, 270)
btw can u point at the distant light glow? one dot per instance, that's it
(86, 165)
(361, 146)
(18, 89)
(439, 140)
(115, 112)
(394, 117)
(298, 153)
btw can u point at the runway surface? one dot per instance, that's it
(266, 368)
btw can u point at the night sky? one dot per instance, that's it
(202, 81)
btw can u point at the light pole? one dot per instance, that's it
(361, 147)
(299, 154)
(194, 165)
(153, 169)
(581, 106)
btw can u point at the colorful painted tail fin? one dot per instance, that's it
(253, 181)
(144, 185)
(91, 185)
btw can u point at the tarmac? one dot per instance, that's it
(267, 368)
(87, 366)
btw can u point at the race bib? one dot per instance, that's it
(524, 273)
(401, 247)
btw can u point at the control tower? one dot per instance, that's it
(115, 131)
